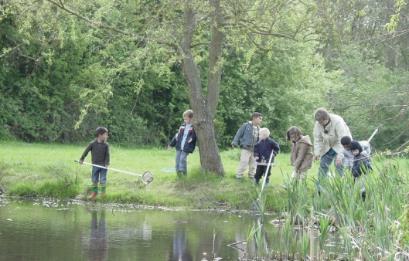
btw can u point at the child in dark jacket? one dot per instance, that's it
(262, 152)
(185, 142)
(361, 163)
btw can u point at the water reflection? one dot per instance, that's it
(98, 244)
(26, 231)
(266, 242)
(180, 250)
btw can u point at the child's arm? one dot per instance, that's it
(85, 153)
(276, 148)
(174, 141)
(107, 157)
(194, 136)
(256, 152)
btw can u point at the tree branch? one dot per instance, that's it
(94, 24)
(190, 68)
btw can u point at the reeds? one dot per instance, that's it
(370, 229)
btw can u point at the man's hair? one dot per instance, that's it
(293, 130)
(188, 113)
(100, 131)
(321, 114)
(265, 131)
(256, 115)
(346, 141)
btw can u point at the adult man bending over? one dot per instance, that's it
(328, 131)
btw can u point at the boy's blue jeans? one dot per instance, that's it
(99, 175)
(325, 162)
(181, 161)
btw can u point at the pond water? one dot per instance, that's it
(73, 231)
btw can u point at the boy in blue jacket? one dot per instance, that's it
(262, 153)
(185, 142)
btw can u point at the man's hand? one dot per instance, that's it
(338, 161)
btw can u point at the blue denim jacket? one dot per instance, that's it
(244, 137)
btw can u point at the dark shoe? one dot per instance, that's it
(363, 195)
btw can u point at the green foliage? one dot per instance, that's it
(62, 76)
(116, 64)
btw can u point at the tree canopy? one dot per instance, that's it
(68, 66)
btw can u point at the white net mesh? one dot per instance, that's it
(147, 177)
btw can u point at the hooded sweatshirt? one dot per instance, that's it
(301, 154)
(330, 137)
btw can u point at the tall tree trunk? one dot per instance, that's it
(203, 120)
(215, 55)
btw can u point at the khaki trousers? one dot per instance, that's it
(247, 161)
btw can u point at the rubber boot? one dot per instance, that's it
(102, 191)
(94, 193)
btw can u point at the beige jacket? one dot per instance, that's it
(301, 154)
(336, 129)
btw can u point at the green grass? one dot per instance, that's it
(49, 170)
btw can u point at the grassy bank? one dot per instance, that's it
(49, 170)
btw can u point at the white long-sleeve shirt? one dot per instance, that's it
(330, 137)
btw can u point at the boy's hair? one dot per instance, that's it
(264, 131)
(256, 115)
(100, 131)
(293, 130)
(346, 141)
(356, 146)
(188, 113)
(321, 114)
